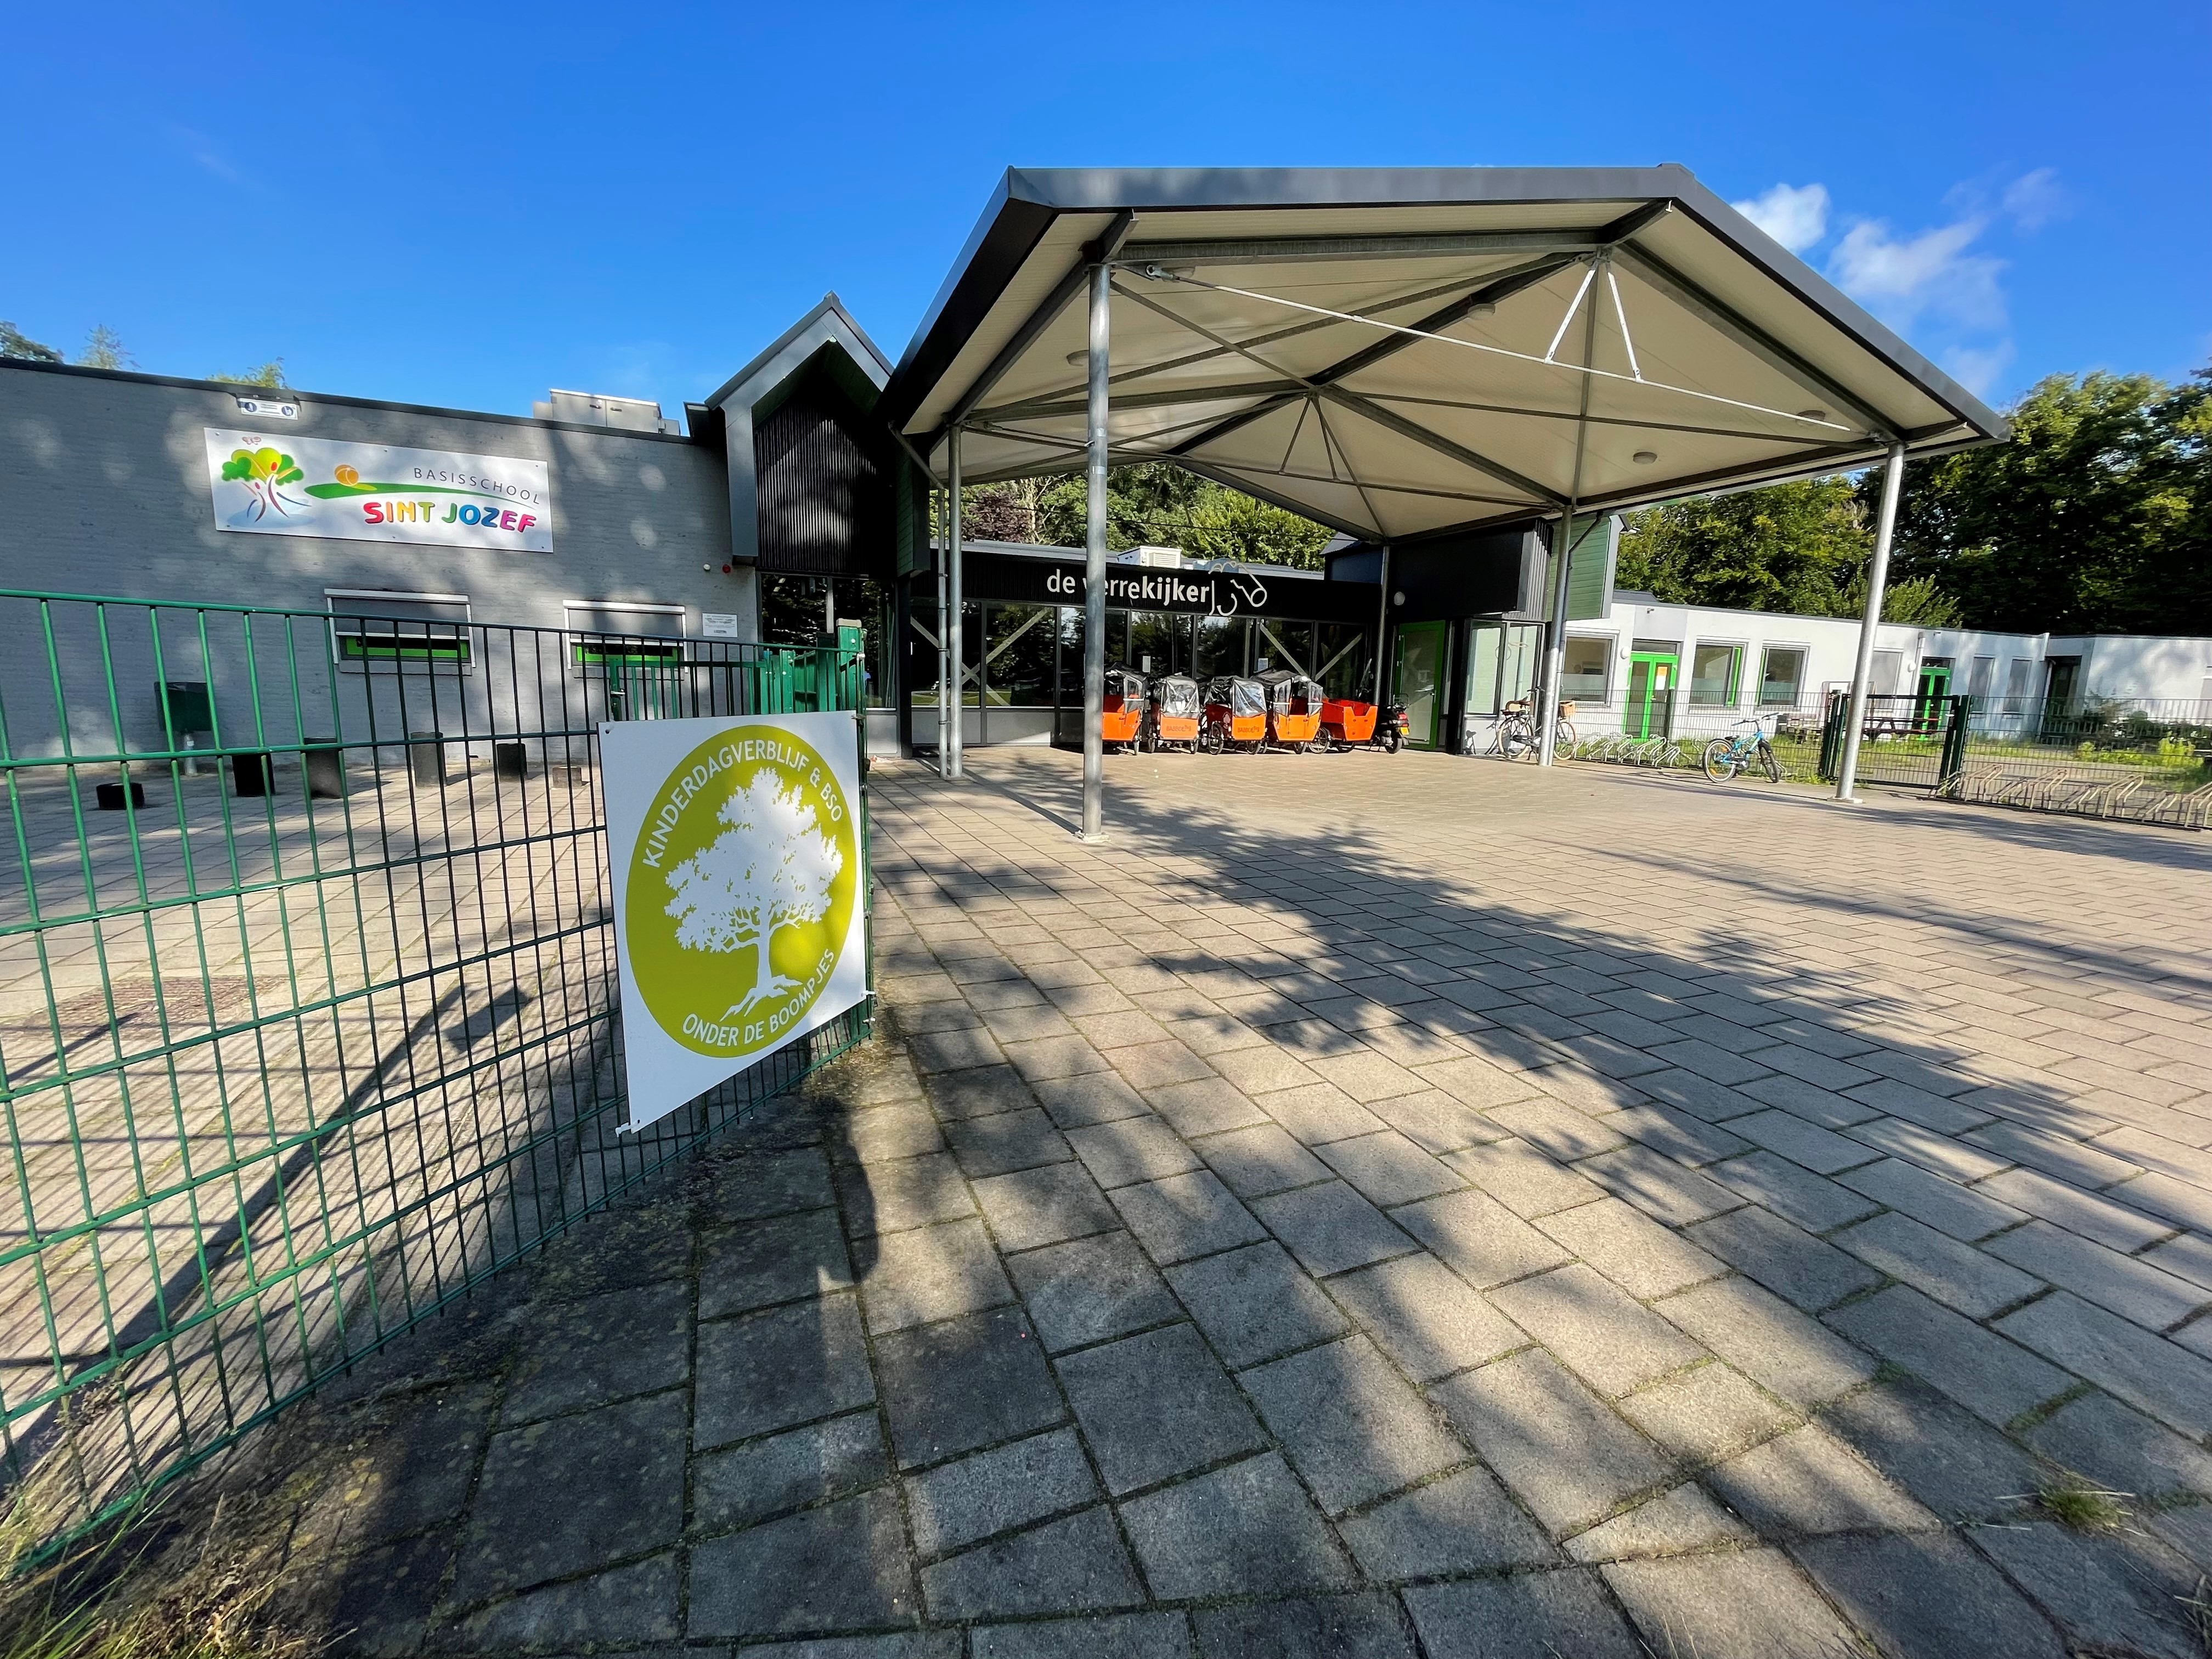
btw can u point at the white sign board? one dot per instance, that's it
(284, 484)
(735, 847)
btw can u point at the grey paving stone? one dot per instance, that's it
(1476, 1082)
(888, 1134)
(1330, 1228)
(1809, 1100)
(1797, 1195)
(1800, 1268)
(2060, 1201)
(778, 1260)
(1102, 1635)
(954, 1504)
(2133, 1289)
(1131, 1150)
(1256, 1161)
(1605, 1336)
(1156, 1406)
(1254, 1303)
(1426, 1317)
(1822, 1071)
(1436, 1123)
(895, 1196)
(1007, 1141)
(1479, 1238)
(2169, 1382)
(2187, 1531)
(1630, 1249)
(979, 1091)
(1944, 1205)
(2123, 1451)
(1688, 1139)
(1769, 1340)
(2062, 1156)
(762, 1477)
(953, 1050)
(1705, 1413)
(1700, 1097)
(933, 1273)
(1206, 1106)
(1184, 1216)
(1388, 1169)
(2186, 1204)
(762, 1184)
(1089, 1289)
(2111, 1595)
(1041, 1060)
(1248, 1529)
(607, 1348)
(1349, 1422)
(1808, 1481)
(1944, 1154)
(1660, 1187)
(1566, 1611)
(841, 1567)
(1463, 1522)
(1819, 1149)
(2188, 1256)
(952, 1387)
(1305, 1627)
(770, 1370)
(1957, 1274)
(1316, 1112)
(1928, 1597)
(631, 1605)
(1044, 1206)
(1684, 1519)
(1062, 1566)
(1751, 1604)
(1522, 1179)
(1556, 1129)
(1990, 1376)
(1090, 1097)
(1559, 1447)
(1916, 1105)
(1948, 1458)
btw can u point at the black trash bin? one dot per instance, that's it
(110, 795)
(249, 774)
(510, 760)
(426, 755)
(325, 763)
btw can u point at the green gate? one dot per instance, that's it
(307, 1000)
(1917, 741)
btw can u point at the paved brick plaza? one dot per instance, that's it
(1374, 1201)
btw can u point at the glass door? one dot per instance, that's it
(1417, 677)
(1650, 702)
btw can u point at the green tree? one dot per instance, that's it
(103, 348)
(2091, 518)
(13, 342)
(1789, 547)
(270, 375)
(1149, 504)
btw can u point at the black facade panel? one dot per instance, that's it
(1483, 574)
(825, 493)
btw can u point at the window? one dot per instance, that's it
(2016, 673)
(1984, 679)
(1585, 670)
(1782, 676)
(1018, 642)
(1712, 675)
(620, 633)
(1888, 673)
(375, 627)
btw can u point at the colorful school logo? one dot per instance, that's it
(303, 486)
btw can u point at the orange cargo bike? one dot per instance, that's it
(1235, 712)
(1123, 717)
(1293, 709)
(1346, 722)
(1174, 713)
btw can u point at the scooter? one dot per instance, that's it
(1394, 731)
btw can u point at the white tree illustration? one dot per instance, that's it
(772, 866)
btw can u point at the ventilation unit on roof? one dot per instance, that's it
(598, 409)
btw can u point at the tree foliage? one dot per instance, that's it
(103, 348)
(1150, 504)
(268, 375)
(13, 342)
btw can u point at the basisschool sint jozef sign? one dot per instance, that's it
(284, 484)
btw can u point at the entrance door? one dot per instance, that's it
(1651, 710)
(1417, 679)
(1934, 686)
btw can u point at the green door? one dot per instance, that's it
(1417, 679)
(1650, 711)
(1928, 698)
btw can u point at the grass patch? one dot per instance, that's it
(2081, 1507)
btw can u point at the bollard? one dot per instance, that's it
(249, 774)
(324, 759)
(428, 758)
(111, 795)
(510, 760)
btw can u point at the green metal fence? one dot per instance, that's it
(306, 998)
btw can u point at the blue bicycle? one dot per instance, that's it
(1743, 749)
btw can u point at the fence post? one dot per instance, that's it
(1831, 733)
(1954, 766)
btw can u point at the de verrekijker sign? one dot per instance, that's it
(734, 845)
(1191, 589)
(284, 484)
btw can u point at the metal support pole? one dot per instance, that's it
(1094, 561)
(1892, 485)
(944, 742)
(956, 631)
(1382, 624)
(1555, 640)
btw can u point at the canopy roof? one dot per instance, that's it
(1397, 352)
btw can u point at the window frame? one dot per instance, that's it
(676, 648)
(1611, 651)
(1766, 649)
(1733, 695)
(400, 657)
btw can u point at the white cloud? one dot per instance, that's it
(1934, 274)
(1976, 368)
(2034, 199)
(1796, 216)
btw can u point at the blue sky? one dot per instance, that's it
(467, 206)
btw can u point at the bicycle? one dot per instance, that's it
(1740, 751)
(1512, 732)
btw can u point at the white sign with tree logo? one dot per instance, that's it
(738, 914)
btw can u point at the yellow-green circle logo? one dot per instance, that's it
(740, 891)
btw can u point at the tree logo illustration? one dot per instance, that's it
(740, 891)
(264, 472)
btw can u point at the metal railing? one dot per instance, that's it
(2144, 759)
(307, 1000)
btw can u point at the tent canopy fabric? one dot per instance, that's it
(1401, 352)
